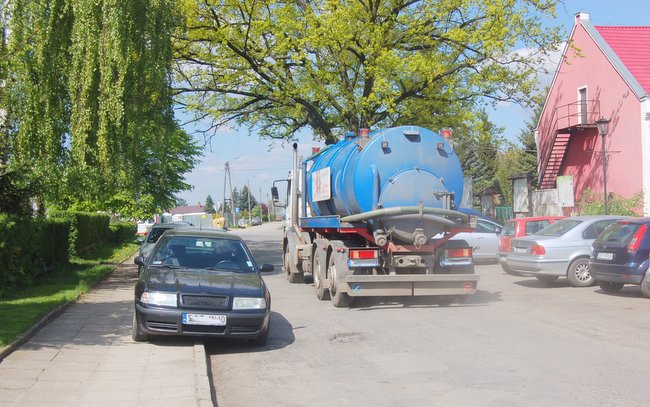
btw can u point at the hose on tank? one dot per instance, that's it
(439, 214)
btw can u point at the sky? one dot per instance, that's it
(258, 163)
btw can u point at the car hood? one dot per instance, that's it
(188, 281)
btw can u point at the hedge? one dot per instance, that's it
(86, 229)
(28, 246)
(122, 232)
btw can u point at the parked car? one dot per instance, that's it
(620, 256)
(154, 234)
(561, 249)
(201, 282)
(519, 227)
(143, 227)
(484, 241)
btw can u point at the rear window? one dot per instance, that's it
(618, 232)
(535, 226)
(155, 233)
(559, 228)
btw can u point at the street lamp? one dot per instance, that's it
(603, 128)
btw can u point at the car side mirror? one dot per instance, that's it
(266, 267)
(499, 230)
(140, 239)
(139, 260)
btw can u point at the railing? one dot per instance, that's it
(583, 113)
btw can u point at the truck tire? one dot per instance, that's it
(319, 259)
(339, 299)
(578, 273)
(293, 278)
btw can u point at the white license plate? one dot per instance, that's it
(204, 319)
(604, 256)
(520, 250)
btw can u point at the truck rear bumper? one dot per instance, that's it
(409, 285)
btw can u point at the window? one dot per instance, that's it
(594, 230)
(535, 226)
(582, 105)
(559, 228)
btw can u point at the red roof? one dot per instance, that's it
(632, 45)
(184, 210)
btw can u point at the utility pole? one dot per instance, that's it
(248, 185)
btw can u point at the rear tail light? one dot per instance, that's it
(636, 239)
(537, 250)
(504, 244)
(364, 254)
(458, 252)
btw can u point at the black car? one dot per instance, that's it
(202, 283)
(620, 255)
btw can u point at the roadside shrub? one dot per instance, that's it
(593, 204)
(86, 229)
(122, 232)
(28, 247)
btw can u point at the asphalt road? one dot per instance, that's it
(515, 342)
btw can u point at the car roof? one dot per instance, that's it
(596, 217)
(534, 218)
(171, 225)
(635, 220)
(202, 232)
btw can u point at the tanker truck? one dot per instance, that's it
(374, 215)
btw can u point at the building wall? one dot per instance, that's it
(588, 67)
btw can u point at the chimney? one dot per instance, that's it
(581, 16)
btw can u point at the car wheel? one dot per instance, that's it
(609, 287)
(645, 285)
(339, 299)
(510, 271)
(578, 273)
(136, 330)
(547, 279)
(263, 336)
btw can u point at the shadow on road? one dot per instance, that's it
(281, 336)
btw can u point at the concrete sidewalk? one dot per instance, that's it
(85, 356)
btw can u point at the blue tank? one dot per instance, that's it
(393, 167)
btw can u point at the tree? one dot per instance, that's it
(91, 106)
(209, 205)
(333, 65)
(241, 201)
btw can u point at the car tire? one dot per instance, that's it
(645, 285)
(547, 279)
(136, 330)
(263, 336)
(609, 287)
(578, 273)
(510, 271)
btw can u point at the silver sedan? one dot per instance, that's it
(561, 249)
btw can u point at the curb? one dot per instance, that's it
(201, 381)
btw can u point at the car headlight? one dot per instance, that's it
(248, 303)
(162, 299)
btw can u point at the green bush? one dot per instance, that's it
(593, 204)
(122, 232)
(27, 246)
(86, 229)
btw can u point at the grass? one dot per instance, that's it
(19, 312)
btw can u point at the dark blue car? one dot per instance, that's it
(620, 255)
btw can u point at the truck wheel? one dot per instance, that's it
(292, 277)
(609, 287)
(318, 273)
(339, 299)
(578, 273)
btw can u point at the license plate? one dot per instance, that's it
(604, 256)
(520, 250)
(204, 319)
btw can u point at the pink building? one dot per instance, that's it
(605, 73)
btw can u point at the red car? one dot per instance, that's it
(518, 227)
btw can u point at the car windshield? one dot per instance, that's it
(207, 253)
(618, 232)
(559, 228)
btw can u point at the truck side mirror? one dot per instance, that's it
(274, 194)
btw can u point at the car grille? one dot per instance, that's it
(204, 329)
(205, 301)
